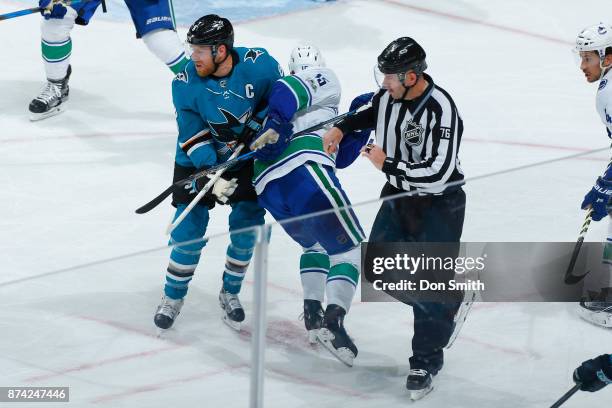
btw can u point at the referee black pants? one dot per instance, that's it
(433, 218)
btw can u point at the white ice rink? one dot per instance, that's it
(70, 184)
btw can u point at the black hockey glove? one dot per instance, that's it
(594, 374)
(252, 127)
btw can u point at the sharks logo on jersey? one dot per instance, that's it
(413, 133)
(231, 128)
(252, 55)
(182, 76)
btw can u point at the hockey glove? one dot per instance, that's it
(598, 198)
(266, 149)
(222, 190)
(594, 374)
(52, 8)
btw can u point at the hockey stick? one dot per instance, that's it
(570, 278)
(202, 192)
(182, 183)
(566, 396)
(34, 10)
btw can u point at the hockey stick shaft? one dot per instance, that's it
(202, 193)
(32, 10)
(566, 396)
(569, 277)
(181, 183)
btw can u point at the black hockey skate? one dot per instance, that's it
(167, 312)
(419, 383)
(313, 318)
(52, 99)
(334, 337)
(233, 313)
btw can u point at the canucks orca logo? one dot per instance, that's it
(231, 128)
(252, 55)
(413, 133)
(602, 30)
(603, 84)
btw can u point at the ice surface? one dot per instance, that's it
(70, 185)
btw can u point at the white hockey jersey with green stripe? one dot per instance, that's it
(312, 96)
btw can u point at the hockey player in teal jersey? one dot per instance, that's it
(295, 177)
(220, 99)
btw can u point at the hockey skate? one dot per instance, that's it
(599, 313)
(313, 318)
(233, 313)
(333, 336)
(419, 383)
(52, 99)
(167, 312)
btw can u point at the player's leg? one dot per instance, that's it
(154, 23)
(599, 311)
(183, 262)
(244, 214)
(183, 258)
(314, 268)
(340, 234)
(440, 219)
(56, 48)
(314, 262)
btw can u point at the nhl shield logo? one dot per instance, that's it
(413, 133)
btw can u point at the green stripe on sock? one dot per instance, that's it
(343, 211)
(53, 52)
(300, 90)
(314, 260)
(346, 270)
(179, 66)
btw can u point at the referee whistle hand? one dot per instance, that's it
(331, 140)
(376, 155)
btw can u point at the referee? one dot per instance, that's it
(418, 133)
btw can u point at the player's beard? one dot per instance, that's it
(204, 69)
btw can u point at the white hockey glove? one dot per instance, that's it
(223, 189)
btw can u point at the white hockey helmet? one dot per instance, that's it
(595, 38)
(305, 56)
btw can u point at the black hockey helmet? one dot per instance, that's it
(211, 30)
(402, 55)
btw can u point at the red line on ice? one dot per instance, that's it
(166, 384)
(100, 363)
(478, 22)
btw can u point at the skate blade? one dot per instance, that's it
(416, 395)
(603, 319)
(231, 323)
(343, 354)
(312, 336)
(34, 117)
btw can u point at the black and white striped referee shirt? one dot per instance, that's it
(420, 137)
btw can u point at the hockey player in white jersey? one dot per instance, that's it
(154, 24)
(594, 46)
(295, 177)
